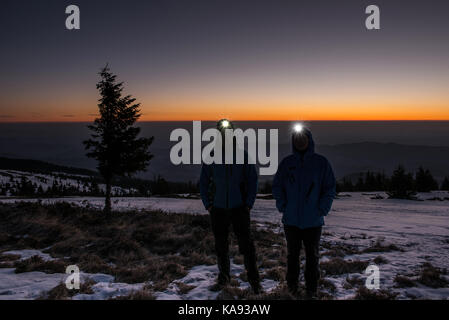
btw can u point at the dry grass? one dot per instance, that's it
(138, 247)
(379, 246)
(275, 273)
(160, 285)
(244, 277)
(380, 260)
(9, 257)
(60, 292)
(233, 293)
(184, 288)
(36, 263)
(7, 260)
(337, 266)
(268, 263)
(336, 252)
(327, 284)
(238, 259)
(432, 276)
(403, 282)
(366, 294)
(353, 282)
(134, 247)
(338, 249)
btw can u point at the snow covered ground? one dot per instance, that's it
(13, 178)
(32, 285)
(25, 286)
(202, 278)
(419, 228)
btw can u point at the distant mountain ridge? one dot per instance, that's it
(346, 159)
(37, 166)
(375, 156)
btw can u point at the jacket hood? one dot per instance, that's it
(310, 148)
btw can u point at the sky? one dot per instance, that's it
(244, 60)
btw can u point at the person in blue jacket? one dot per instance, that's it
(304, 188)
(228, 192)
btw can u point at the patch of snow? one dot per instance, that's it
(427, 293)
(97, 277)
(26, 286)
(108, 290)
(28, 253)
(419, 228)
(202, 278)
(13, 178)
(32, 285)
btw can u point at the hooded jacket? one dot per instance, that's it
(228, 186)
(304, 187)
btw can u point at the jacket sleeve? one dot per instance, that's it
(204, 185)
(252, 185)
(328, 190)
(278, 188)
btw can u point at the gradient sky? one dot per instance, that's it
(246, 60)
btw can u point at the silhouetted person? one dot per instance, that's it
(304, 189)
(228, 192)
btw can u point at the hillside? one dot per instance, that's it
(143, 251)
(359, 157)
(43, 167)
(26, 177)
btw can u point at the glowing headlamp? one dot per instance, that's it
(224, 123)
(298, 128)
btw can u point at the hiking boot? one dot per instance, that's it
(311, 295)
(292, 289)
(256, 288)
(220, 284)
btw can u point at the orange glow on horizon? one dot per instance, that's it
(252, 111)
(242, 117)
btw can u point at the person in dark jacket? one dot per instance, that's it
(304, 188)
(228, 192)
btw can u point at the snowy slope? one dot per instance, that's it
(32, 285)
(419, 228)
(45, 181)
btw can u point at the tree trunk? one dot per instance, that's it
(107, 203)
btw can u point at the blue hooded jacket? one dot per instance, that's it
(228, 186)
(304, 187)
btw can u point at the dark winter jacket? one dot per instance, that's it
(228, 186)
(304, 187)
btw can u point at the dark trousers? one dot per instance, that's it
(311, 239)
(221, 220)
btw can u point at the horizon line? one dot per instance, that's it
(214, 120)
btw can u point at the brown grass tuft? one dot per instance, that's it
(380, 260)
(403, 281)
(379, 246)
(352, 282)
(337, 266)
(366, 294)
(432, 276)
(184, 288)
(36, 263)
(60, 292)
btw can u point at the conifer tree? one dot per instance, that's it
(425, 181)
(445, 184)
(401, 185)
(114, 140)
